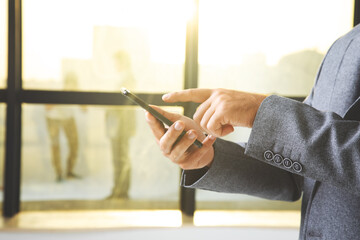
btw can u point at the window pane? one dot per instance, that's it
(267, 47)
(87, 157)
(138, 44)
(3, 41)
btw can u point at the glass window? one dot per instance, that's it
(267, 47)
(106, 44)
(3, 42)
(93, 157)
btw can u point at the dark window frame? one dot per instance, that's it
(14, 96)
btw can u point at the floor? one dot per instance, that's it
(188, 233)
(155, 224)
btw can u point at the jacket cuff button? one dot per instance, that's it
(278, 159)
(297, 167)
(287, 163)
(269, 155)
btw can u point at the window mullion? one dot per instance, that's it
(187, 195)
(13, 113)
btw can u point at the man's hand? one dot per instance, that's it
(220, 110)
(182, 152)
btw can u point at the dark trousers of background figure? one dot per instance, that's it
(70, 130)
(122, 167)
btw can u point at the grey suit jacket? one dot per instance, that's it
(309, 149)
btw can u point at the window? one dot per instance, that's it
(267, 46)
(75, 156)
(89, 157)
(73, 60)
(3, 42)
(101, 42)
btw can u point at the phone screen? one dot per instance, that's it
(155, 113)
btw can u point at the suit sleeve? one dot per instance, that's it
(234, 172)
(302, 140)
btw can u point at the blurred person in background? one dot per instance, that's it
(120, 127)
(62, 118)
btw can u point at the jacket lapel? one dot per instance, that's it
(353, 113)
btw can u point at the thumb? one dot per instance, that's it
(173, 117)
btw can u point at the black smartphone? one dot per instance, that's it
(155, 113)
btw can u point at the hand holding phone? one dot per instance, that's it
(155, 113)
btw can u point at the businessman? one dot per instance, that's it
(309, 149)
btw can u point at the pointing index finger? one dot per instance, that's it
(188, 95)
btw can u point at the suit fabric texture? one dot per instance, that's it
(309, 150)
